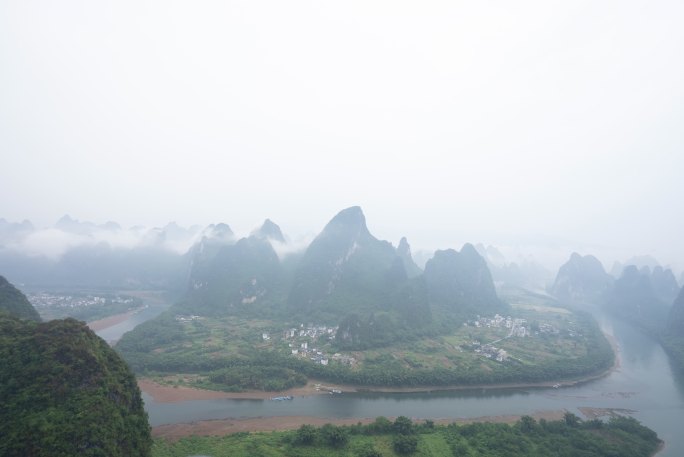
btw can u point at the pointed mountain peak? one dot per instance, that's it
(350, 216)
(350, 221)
(270, 230)
(220, 231)
(404, 248)
(470, 252)
(630, 271)
(404, 253)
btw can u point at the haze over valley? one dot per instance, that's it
(369, 229)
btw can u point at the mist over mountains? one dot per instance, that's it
(637, 293)
(75, 253)
(373, 291)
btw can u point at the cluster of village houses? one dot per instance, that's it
(516, 325)
(301, 342)
(516, 328)
(184, 318)
(49, 300)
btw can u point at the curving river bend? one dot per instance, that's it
(645, 383)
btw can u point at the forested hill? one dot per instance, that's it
(15, 303)
(65, 392)
(581, 279)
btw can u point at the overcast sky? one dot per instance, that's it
(541, 123)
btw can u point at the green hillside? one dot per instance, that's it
(65, 392)
(15, 303)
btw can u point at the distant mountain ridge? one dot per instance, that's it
(346, 276)
(270, 231)
(634, 298)
(640, 294)
(525, 273)
(582, 279)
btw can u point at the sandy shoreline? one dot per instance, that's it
(169, 394)
(174, 432)
(110, 321)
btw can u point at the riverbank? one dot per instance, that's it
(111, 321)
(178, 393)
(171, 394)
(174, 432)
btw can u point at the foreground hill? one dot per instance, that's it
(15, 303)
(65, 392)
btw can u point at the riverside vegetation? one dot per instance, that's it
(231, 354)
(619, 437)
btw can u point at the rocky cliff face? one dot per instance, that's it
(404, 252)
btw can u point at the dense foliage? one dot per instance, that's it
(619, 437)
(268, 378)
(65, 392)
(15, 303)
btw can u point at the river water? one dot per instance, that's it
(154, 306)
(645, 383)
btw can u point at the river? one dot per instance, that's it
(644, 382)
(154, 303)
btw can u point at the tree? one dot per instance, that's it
(527, 424)
(306, 434)
(405, 444)
(334, 436)
(571, 420)
(403, 425)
